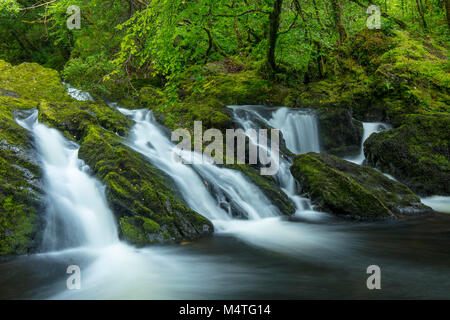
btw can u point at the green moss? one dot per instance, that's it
(384, 78)
(20, 195)
(136, 189)
(417, 152)
(33, 82)
(17, 226)
(344, 188)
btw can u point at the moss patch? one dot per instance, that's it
(344, 188)
(417, 153)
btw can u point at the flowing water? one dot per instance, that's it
(368, 129)
(300, 132)
(78, 214)
(261, 257)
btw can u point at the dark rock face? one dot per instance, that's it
(340, 134)
(346, 189)
(416, 153)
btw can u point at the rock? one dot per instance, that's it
(339, 133)
(346, 189)
(417, 153)
(144, 202)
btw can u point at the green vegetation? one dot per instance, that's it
(20, 191)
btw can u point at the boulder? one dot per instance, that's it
(346, 189)
(417, 153)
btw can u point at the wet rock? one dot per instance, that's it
(417, 153)
(340, 134)
(359, 192)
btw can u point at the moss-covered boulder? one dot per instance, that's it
(417, 153)
(346, 189)
(145, 204)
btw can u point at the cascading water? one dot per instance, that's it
(78, 94)
(300, 132)
(368, 129)
(217, 268)
(232, 190)
(299, 127)
(218, 193)
(78, 214)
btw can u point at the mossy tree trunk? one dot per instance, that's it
(421, 13)
(447, 10)
(338, 20)
(274, 25)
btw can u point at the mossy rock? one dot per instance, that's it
(21, 194)
(417, 153)
(349, 190)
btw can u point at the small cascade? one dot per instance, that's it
(300, 132)
(216, 193)
(369, 129)
(78, 94)
(78, 214)
(300, 129)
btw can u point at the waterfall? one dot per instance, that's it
(369, 128)
(438, 203)
(78, 94)
(299, 127)
(300, 131)
(233, 193)
(78, 214)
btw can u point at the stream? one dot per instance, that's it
(265, 256)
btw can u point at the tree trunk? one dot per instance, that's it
(447, 9)
(421, 13)
(337, 17)
(274, 25)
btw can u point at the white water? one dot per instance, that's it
(233, 189)
(232, 192)
(78, 94)
(78, 214)
(369, 129)
(438, 203)
(81, 218)
(297, 125)
(300, 129)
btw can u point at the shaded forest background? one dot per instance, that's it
(124, 45)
